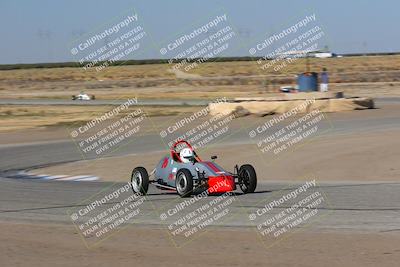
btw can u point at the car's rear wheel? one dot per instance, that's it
(184, 183)
(247, 178)
(140, 180)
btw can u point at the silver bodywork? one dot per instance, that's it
(167, 168)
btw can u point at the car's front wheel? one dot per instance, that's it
(184, 183)
(140, 180)
(247, 178)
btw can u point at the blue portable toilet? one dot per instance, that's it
(308, 81)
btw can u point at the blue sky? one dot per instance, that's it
(42, 30)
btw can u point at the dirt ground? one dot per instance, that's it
(60, 245)
(17, 117)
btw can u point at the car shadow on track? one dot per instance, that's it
(209, 195)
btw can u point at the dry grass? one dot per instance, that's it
(362, 76)
(156, 81)
(335, 65)
(17, 117)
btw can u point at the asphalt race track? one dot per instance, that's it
(348, 206)
(355, 206)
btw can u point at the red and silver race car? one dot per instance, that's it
(183, 171)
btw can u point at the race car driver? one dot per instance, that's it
(186, 155)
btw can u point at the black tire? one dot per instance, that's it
(247, 178)
(140, 180)
(184, 183)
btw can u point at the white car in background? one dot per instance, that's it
(83, 96)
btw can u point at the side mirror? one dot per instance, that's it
(214, 157)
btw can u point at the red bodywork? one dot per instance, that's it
(221, 184)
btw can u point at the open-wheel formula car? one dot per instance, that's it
(184, 172)
(83, 96)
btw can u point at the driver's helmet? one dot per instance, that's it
(186, 155)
